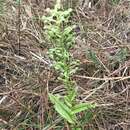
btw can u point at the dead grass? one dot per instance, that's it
(26, 76)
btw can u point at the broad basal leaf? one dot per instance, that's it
(62, 109)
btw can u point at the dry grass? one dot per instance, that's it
(26, 76)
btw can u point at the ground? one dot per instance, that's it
(102, 47)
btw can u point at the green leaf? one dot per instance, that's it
(18, 1)
(72, 95)
(114, 2)
(2, 5)
(67, 101)
(62, 109)
(92, 56)
(81, 107)
(76, 129)
(68, 30)
(86, 118)
(121, 55)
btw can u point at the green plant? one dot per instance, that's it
(120, 56)
(61, 35)
(92, 56)
(114, 2)
(2, 4)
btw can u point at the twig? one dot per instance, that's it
(103, 79)
(19, 44)
(94, 91)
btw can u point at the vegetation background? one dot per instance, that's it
(102, 46)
